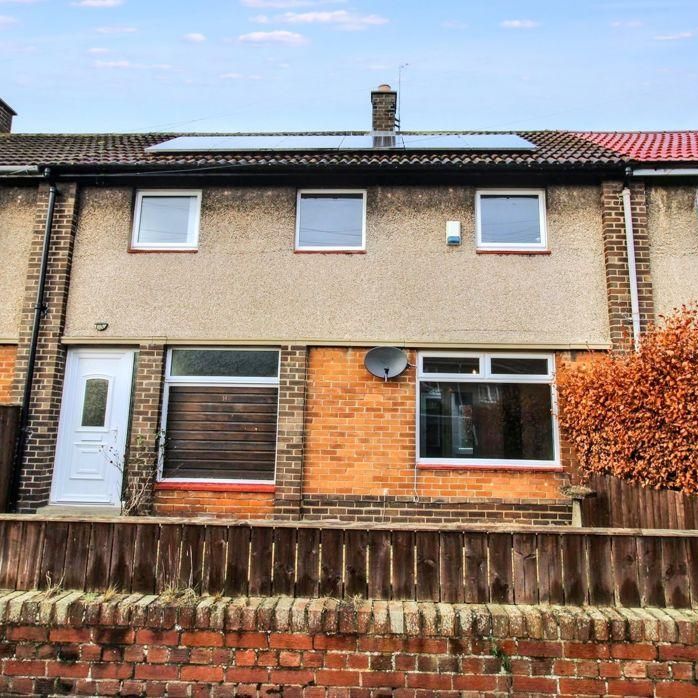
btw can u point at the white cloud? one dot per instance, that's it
(454, 24)
(679, 36)
(97, 51)
(519, 24)
(339, 18)
(239, 76)
(97, 3)
(627, 24)
(127, 65)
(194, 37)
(113, 64)
(287, 4)
(115, 30)
(5, 21)
(274, 37)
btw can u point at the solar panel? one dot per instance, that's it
(208, 144)
(466, 141)
(374, 141)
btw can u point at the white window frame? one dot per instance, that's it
(192, 242)
(512, 246)
(486, 376)
(220, 381)
(330, 248)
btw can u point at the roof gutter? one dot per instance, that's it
(663, 172)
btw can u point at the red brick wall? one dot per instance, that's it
(360, 440)
(8, 352)
(236, 505)
(616, 259)
(143, 447)
(322, 648)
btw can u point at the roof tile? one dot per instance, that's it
(649, 146)
(555, 149)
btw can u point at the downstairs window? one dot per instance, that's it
(486, 410)
(220, 415)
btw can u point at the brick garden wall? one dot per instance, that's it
(8, 353)
(360, 456)
(146, 645)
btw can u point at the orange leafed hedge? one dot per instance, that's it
(635, 415)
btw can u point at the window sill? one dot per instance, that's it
(502, 466)
(138, 250)
(214, 486)
(329, 251)
(516, 252)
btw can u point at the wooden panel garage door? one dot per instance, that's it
(216, 432)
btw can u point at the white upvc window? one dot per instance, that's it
(166, 219)
(220, 415)
(486, 410)
(331, 220)
(511, 219)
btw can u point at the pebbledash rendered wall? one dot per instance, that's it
(135, 645)
(246, 284)
(673, 233)
(17, 211)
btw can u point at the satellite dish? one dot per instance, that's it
(385, 362)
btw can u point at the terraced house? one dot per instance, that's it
(186, 318)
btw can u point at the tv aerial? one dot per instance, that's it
(385, 362)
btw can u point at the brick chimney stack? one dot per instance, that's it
(384, 103)
(6, 114)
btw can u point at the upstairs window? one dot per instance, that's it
(511, 220)
(331, 221)
(166, 220)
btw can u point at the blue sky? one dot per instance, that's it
(229, 65)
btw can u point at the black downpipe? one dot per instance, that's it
(39, 314)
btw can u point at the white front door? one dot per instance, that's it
(92, 430)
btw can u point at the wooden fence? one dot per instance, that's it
(466, 564)
(623, 504)
(9, 421)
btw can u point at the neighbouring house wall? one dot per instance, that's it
(246, 284)
(147, 645)
(44, 410)
(360, 456)
(673, 232)
(8, 354)
(17, 211)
